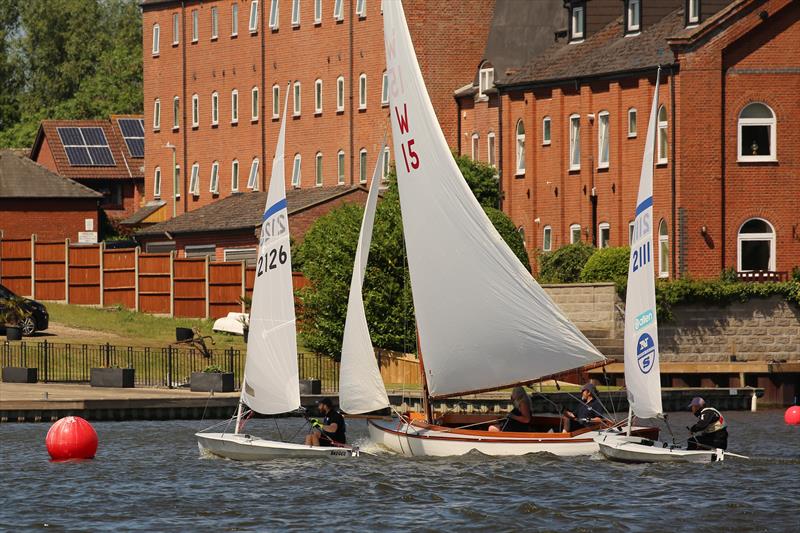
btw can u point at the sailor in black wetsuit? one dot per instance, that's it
(710, 431)
(330, 431)
(589, 412)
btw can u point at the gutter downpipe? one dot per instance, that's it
(458, 124)
(183, 109)
(262, 103)
(675, 272)
(500, 148)
(722, 171)
(350, 110)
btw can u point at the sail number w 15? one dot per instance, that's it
(271, 259)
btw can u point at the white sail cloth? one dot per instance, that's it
(361, 388)
(642, 374)
(271, 379)
(483, 321)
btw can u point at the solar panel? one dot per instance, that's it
(86, 147)
(133, 132)
(78, 156)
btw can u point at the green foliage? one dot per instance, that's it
(608, 264)
(481, 180)
(509, 233)
(213, 369)
(565, 264)
(796, 273)
(14, 310)
(729, 275)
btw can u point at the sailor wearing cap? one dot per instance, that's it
(590, 411)
(710, 431)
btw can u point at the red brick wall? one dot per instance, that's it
(49, 219)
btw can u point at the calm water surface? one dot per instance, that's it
(149, 476)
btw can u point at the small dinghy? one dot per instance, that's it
(632, 449)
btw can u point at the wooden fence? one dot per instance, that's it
(158, 283)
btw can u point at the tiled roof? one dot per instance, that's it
(22, 178)
(244, 210)
(143, 212)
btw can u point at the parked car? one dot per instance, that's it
(38, 319)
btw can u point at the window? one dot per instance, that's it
(547, 239)
(254, 104)
(631, 122)
(339, 94)
(252, 180)
(693, 12)
(574, 142)
(362, 166)
(757, 136)
(361, 8)
(253, 26)
(362, 91)
(176, 29)
(577, 23)
(157, 182)
(195, 111)
(485, 79)
(295, 12)
(235, 175)
(176, 110)
(273, 15)
(318, 97)
(200, 250)
(157, 114)
(234, 106)
(756, 246)
(296, 171)
(214, 23)
(386, 164)
(633, 16)
(214, 108)
(176, 181)
(603, 141)
(214, 187)
(248, 255)
(663, 250)
(490, 150)
(474, 154)
(631, 230)
(194, 183)
(276, 101)
(296, 101)
(338, 12)
(520, 147)
(546, 131)
(234, 20)
(159, 247)
(156, 38)
(605, 235)
(195, 26)
(340, 167)
(317, 11)
(318, 169)
(385, 89)
(662, 135)
(574, 233)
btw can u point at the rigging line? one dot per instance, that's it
(299, 430)
(280, 436)
(205, 408)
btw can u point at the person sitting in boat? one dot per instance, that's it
(590, 411)
(710, 431)
(520, 418)
(330, 431)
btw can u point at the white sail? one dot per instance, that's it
(483, 321)
(642, 374)
(271, 379)
(361, 388)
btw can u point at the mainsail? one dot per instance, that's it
(642, 374)
(271, 378)
(483, 322)
(361, 388)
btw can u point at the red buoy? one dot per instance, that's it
(71, 437)
(792, 415)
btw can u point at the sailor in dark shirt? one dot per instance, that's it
(590, 411)
(710, 431)
(330, 430)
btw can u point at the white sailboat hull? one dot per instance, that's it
(619, 447)
(243, 447)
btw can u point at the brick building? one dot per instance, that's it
(572, 124)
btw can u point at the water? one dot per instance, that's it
(148, 476)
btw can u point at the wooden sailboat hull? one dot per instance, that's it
(622, 448)
(244, 447)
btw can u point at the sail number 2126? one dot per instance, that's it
(271, 259)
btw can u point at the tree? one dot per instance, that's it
(565, 264)
(482, 180)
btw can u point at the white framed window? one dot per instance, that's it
(340, 167)
(214, 185)
(195, 111)
(235, 175)
(214, 23)
(385, 89)
(631, 122)
(296, 171)
(485, 79)
(361, 8)
(339, 94)
(490, 149)
(177, 181)
(362, 91)
(276, 101)
(547, 239)
(254, 104)
(693, 12)
(234, 20)
(214, 108)
(338, 10)
(574, 142)
(362, 166)
(633, 16)
(156, 38)
(157, 182)
(318, 97)
(296, 99)
(663, 250)
(317, 11)
(157, 114)
(194, 183)
(604, 234)
(756, 246)
(603, 140)
(577, 23)
(662, 135)
(631, 229)
(195, 26)
(387, 160)
(295, 12)
(274, 16)
(757, 136)
(176, 29)
(574, 233)
(474, 152)
(252, 179)
(520, 147)
(176, 113)
(546, 131)
(253, 25)
(318, 169)
(234, 106)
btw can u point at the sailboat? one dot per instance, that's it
(271, 379)
(483, 322)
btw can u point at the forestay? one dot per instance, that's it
(361, 388)
(271, 379)
(483, 321)
(642, 374)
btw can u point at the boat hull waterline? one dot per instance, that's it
(243, 447)
(623, 448)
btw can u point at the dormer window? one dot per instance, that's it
(485, 79)
(577, 22)
(692, 12)
(633, 16)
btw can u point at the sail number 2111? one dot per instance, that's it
(640, 257)
(271, 259)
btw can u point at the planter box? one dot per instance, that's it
(13, 333)
(112, 377)
(18, 374)
(310, 386)
(212, 381)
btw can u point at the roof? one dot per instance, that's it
(22, 178)
(244, 210)
(143, 212)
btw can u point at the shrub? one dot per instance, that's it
(608, 264)
(565, 264)
(796, 273)
(509, 233)
(481, 180)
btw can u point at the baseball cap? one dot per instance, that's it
(698, 401)
(591, 388)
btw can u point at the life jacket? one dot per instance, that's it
(716, 426)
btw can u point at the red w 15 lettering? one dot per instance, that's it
(407, 147)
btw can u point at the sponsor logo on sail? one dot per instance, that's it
(645, 353)
(643, 320)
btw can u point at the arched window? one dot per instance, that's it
(276, 101)
(490, 149)
(252, 179)
(254, 105)
(574, 142)
(340, 167)
(546, 131)
(474, 153)
(318, 169)
(362, 91)
(757, 136)
(214, 185)
(756, 246)
(214, 108)
(340, 94)
(385, 89)
(235, 175)
(662, 134)
(574, 233)
(296, 171)
(604, 235)
(520, 147)
(547, 239)
(362, 166)
(663, 250)
(194, 184)
(318, 97)
(176, 113)
(157, 114)
(485, 78)
(631, 122)
(296, 99)
(603, 140)
(195, 111)
(157, 182)
(156, 39)
(386, 164)
(234, 106)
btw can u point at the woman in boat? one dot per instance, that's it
(521, 417)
